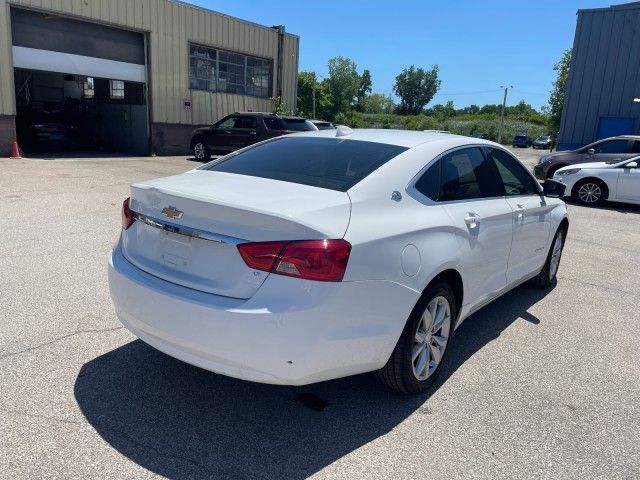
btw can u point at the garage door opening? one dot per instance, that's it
(68, 113)
(79, 86)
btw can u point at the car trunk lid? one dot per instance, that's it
(188, 226)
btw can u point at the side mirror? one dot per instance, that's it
(631, 165)
(553, 189)
(591, 151)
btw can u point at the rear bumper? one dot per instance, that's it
(290, 332)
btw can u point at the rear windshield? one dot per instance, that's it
(332, 163)
(297, 125)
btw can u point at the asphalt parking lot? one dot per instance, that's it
(540, 384)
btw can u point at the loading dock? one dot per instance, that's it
(79, 87)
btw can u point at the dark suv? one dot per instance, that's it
(613, 149)
(522, 140)
(241, 129)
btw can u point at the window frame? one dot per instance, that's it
(248, 90)
(112, 90)
(89, 88)
(422, 198)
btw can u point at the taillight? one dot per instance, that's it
(127, 215)
(321, 260)
(261, 255)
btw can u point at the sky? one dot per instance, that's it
(477, 45)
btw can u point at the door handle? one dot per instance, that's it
(227, 132)
(472, 219)
(253, 133)
(519, 211)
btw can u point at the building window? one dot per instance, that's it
(87, 88)
(258, 77)
(221, 71)
(202, 68)
(116, 89)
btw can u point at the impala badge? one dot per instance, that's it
(172, 212)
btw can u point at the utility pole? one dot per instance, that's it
(504, 102)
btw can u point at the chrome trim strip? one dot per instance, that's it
(187, 231)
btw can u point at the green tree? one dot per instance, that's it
(377, 103)
(470, 110)
(279, 106)
(343, 83)
(363, 90)
(556, 98)
(416, 87)
(306, 84)
(324, 102)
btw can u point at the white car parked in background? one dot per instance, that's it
(593, 183)
(320, 255)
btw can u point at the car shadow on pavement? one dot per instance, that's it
(611, 206)
(180, 421)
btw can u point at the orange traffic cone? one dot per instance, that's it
(15, 151)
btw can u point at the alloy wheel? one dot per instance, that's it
(431, 337)
(556, 253)
(198, 150)
(589, 192)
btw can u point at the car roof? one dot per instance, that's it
(401, 138)
(268, 114)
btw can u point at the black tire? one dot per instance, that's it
(547, 276)
(398, 373)
(200, 150)
(596, 192)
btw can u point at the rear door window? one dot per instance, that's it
(332, 163)
(296, 125)
(429, 183)
(467, 174)
(272, 123)
(246, 122)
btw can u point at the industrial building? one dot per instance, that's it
(132, 76)
(604, 77)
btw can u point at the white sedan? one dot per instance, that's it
(593, 183)
(320, 255)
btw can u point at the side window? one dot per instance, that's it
(226, 123)
(429, 183)
(635, 148)
(611, 146)
(466, 174)
(272, 123)
(515, 177)
(246, 122)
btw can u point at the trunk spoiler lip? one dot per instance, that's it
(188, 231)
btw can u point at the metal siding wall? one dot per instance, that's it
(172, 26)
(7, 95)
(604, 75)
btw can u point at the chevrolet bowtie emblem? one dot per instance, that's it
(172, 212)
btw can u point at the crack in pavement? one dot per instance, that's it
(580, 282)
(78, 332)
